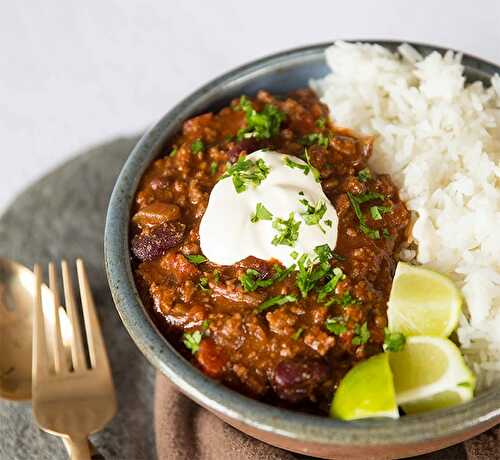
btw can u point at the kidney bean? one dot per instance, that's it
(149, 246)
(157, 213)
(298, 378)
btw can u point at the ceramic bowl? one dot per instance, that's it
(313, 435)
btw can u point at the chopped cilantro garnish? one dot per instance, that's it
(296, 335)
(203, 283)
(332, 275)
(294, 254)
(394, 341)
(328, 223)
(315, 138)
(346, 299)
(275, 301)
(364, 175)
(197, 146)
(335, 325)
(303, 280)
(311, 271)
(362, 334)
(314, 171)
(320, 122)
(386, 233)
(192, 341)
(330, 286)
(313, 213)
(323, 252)
(281, 273)
(196, 258)
(251, 281)
(370, 232)
(205, 324)
(377, 211)
(294, 165)
(213, 167)
(173, 151)
(369, 196)
(216, 275)
(259, 125)
(288, 231)
(247, 172)
(261, 213)
(356, 200)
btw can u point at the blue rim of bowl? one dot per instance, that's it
(483, 409)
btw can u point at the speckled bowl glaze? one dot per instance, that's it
(307, 434)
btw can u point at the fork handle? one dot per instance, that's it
(94, 453)
(79, 448)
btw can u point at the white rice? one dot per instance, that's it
(440, 141)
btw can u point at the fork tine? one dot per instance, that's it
(59, 354)
(69, 296)
(97, 349)
(40, 364)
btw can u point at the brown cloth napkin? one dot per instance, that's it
(186, 431)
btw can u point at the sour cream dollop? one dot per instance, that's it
(227, 234)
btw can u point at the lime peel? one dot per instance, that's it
(447, 398)
(367, 390)
(430, 372)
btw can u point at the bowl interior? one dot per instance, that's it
(279, 73)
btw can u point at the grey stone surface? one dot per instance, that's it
(63, 216)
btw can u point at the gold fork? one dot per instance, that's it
(75, 400)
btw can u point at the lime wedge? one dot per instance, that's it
(447, 398)
(430, 373)
(423, 302)
(366, 391)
